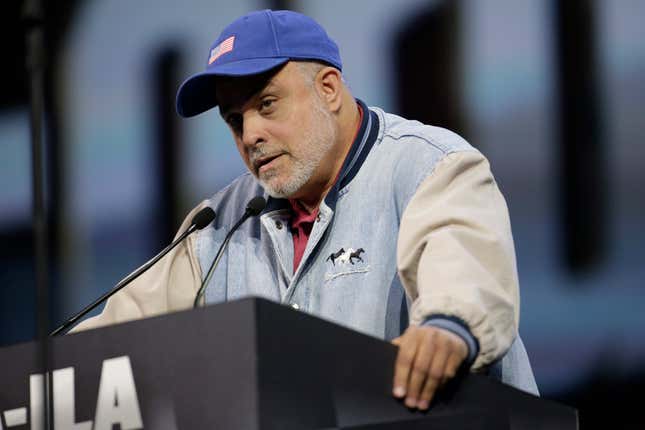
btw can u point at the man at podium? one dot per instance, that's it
(388, 226)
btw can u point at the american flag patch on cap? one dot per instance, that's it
(221, 49)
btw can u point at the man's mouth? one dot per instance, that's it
(264, 163)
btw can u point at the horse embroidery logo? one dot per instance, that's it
(344, 256)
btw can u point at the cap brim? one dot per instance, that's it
(198, 94)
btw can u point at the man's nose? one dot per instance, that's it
(252, 130)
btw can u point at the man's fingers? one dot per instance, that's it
(452, 366)
(428, 357)
(435, 376)
(404, 360)
(455, 360)
(419, 368)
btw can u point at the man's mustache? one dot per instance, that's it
(262, 152)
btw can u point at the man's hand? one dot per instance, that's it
(428, 357)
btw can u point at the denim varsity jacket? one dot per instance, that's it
(414, 231)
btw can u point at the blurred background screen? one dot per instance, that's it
(552, 92)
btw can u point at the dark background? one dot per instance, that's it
(551, 92)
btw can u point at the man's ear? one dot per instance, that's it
(329, 83)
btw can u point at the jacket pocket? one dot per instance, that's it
(341, 273)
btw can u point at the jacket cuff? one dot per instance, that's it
(460, 328)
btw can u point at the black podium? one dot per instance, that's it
(248, 364)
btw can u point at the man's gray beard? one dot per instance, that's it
(320, 139)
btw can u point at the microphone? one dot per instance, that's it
(199, 221)
(253, 208)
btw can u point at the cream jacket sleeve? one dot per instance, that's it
(455, 253)
(170, 285)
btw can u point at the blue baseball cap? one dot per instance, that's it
(252, 44)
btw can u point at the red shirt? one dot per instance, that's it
(302, 221)
(301, 224)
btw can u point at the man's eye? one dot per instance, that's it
(266, 104)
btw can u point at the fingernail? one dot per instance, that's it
(399, 391)
(423, 404)
(410, 402)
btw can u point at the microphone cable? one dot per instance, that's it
(253, 208)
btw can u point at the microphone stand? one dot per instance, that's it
(253, 208)
(73, 320)
(201, 219)
(33, 18)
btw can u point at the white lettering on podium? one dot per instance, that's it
(117, 402)
(36, 408)
(64, 401)
(15, 417)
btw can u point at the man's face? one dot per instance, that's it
(282, 128)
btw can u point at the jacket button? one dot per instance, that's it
(295, 306)
(278, 225)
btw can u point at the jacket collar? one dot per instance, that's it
(365, 139)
